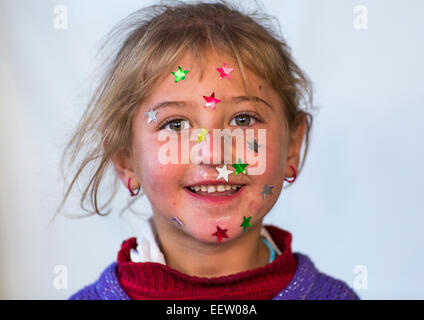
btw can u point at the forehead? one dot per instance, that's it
(196, 85)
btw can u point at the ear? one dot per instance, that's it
(294, 147)
(124, 168)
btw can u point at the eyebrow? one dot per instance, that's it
(233, 100)
(240, 99)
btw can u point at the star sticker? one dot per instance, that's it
(246, 223)
(225, 72)
(202, 135)
(223, 172)
(211, 101)
(239, 167)
(180, 74)
(220, 233)
(267, 190)
(253, 145)
(152, 115)
(180, 224)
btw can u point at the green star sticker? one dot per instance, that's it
(180, 74)
(246, 223)
(239, 167)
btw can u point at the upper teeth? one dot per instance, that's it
(215, 188)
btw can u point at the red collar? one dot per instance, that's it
(151, 280)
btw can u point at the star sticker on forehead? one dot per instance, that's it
(246, 223)
(152, 115)
(253, 145)
(225, 72)
(202, 135)
(267, 190)
(239, 167)
(220, 233)
(211, 101)
(223, 172)
(180, 74)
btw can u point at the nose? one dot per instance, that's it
(219, 147)
(213, 148)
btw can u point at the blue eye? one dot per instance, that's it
(243, 120)
(176, 125)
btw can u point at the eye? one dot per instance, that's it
(176, 125)
(243, 120)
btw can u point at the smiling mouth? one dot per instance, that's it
(220, 190)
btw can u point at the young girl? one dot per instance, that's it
(183, 73)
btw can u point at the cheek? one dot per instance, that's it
(160, 178)
(157, 179)
(274, 157)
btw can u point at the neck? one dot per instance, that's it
(192, 257)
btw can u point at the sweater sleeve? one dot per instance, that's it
(329, 288)
(310, 284)
(107, 287)
(87, 293)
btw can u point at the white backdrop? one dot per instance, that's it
(358, 201)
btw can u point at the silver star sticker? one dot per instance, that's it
(267, 190)
(180, 224)
(253, 145)
(152, 115)
(223, 172)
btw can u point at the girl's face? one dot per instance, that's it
(168, 185)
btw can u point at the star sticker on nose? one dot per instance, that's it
(223, 172)
(202, 134)
(246, 223)
(225, 72)
(253, 145)
(152, 115)
(220, 233)
(239, 167)
(211, 101)
(180, 74)
(267, 190)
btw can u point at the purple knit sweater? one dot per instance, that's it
(307, 284)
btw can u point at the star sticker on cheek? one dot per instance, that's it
(253, 145)
(223, 172)
(211, 101)
(180, 224)
(180, 74)
(202, 135)
(225, 72)
(267, 190)
(152, 115)
(240, 167)
(220, 233)
(246, 223)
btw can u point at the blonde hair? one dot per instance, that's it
(152, 41)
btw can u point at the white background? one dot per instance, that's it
(357, 202)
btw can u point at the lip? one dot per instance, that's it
(213, 183)
(216, 199)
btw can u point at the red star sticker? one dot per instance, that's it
(220, 233)
(225, 72)
(211, 101)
